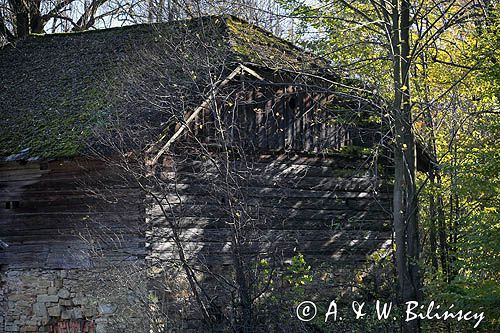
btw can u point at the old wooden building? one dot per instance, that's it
(205, 147)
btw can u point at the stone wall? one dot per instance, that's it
(69, 301)
(75, 248)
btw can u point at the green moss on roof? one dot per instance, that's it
(255, 45)
(55, 89)
(52, 95)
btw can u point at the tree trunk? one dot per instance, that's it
(432, 225)
(443, 244)
(431, 148)
(36, 22)
(22, 21)
(405, 193)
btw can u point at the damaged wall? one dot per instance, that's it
(72, 233)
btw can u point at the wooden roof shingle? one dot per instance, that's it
(55, 89)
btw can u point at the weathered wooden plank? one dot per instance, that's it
(367, 223)
(64, 183)
(42, 261)
(68, 209)
(313, 165)
(65, 232)
(282, 202)
(57, 221)
(19, 167)
(353, 246)
(54, 196)
(24, 260)
(279, 181)
(24, 175)
(281, 124)
(29, 200)
(102, 241)
(298, 123)
(21, 173)
(274, 213)
(69, 214)
(266, 235)
(187, 193)
(290, 192)
(275, 167)
(282, 192)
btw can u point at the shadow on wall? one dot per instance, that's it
(252, 217)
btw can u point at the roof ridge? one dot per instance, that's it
(130, 26)
(223, 17)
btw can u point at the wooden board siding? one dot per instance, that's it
(50, 211)
(330, 209)
(286, 118)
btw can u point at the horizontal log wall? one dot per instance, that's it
(332, 210)
(67, 214)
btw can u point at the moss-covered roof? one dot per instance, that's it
(56, 89)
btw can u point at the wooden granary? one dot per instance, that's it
(247, 134)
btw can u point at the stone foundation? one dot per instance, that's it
(69, 301)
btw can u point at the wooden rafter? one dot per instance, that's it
(238, 70)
